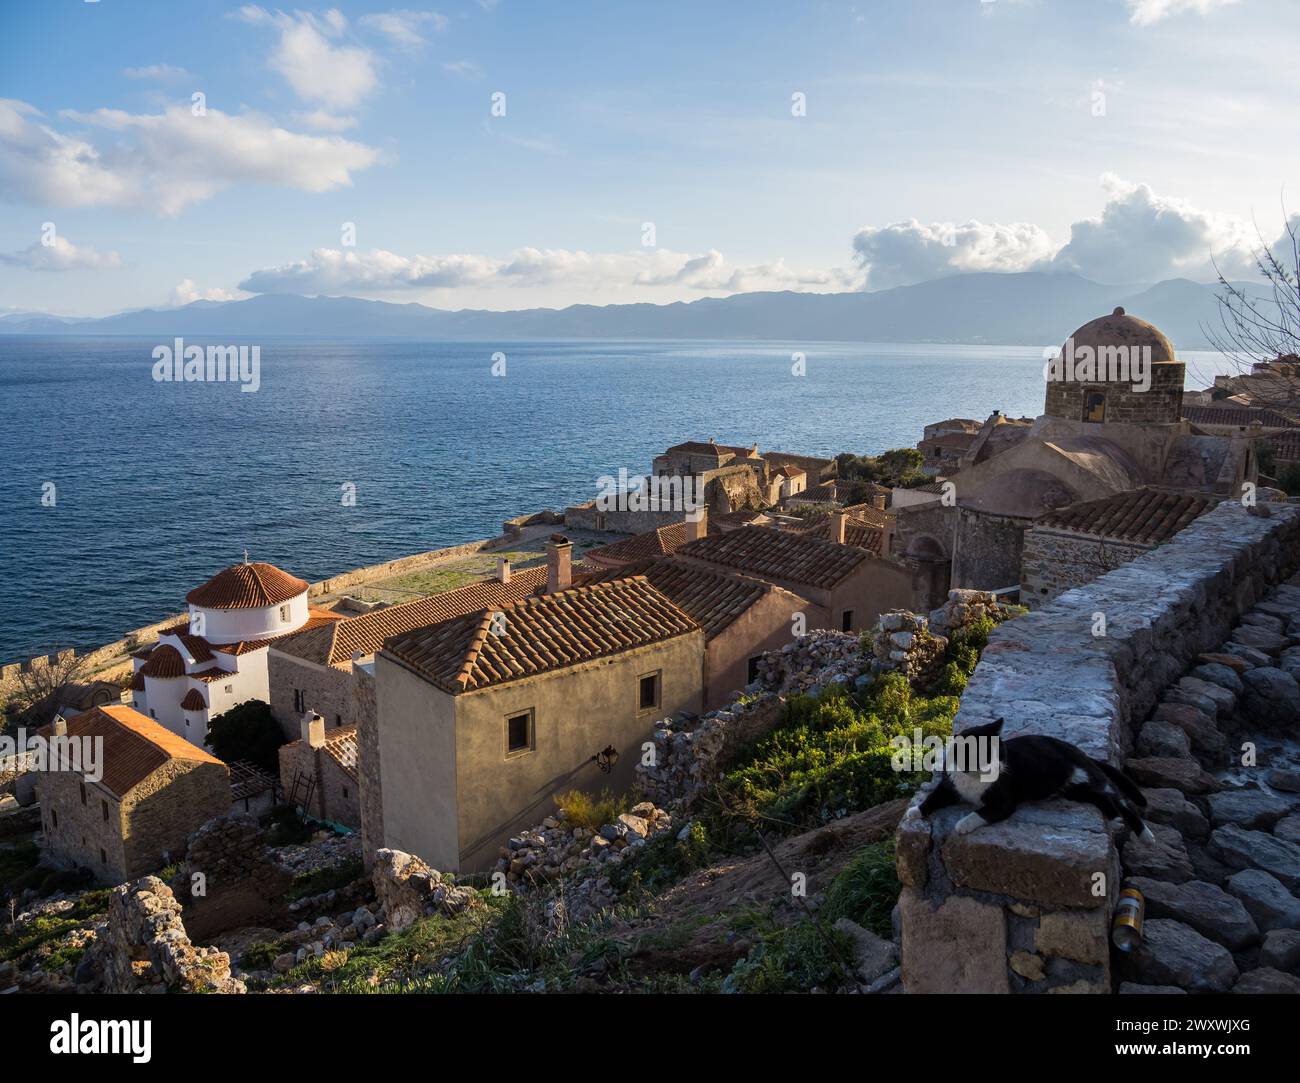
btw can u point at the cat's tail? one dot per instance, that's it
(1126, 785)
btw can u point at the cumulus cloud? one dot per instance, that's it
(1147, 12)
(1142, 237)
(404, 28)
(339, 271)
(906, 252)
(311, 59)
(61, 255)
(186, 292)
(163, 161)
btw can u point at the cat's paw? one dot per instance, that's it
(968, 823)
(913, 812)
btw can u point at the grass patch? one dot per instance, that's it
(582, 810)
(865, 890)
(791, 959)
(42, 930)
(317, 881)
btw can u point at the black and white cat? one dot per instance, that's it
(1032, 768)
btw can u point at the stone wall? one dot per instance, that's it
(1025, 905)
(1162, 402)
(325, 690)
(239, 882)
(146, 948)
(1054, 561)
(365, 714)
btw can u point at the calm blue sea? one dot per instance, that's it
(160, 485)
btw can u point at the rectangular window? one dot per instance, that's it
(1094, 406)
(648, 692)
(83, 792)
(284, 614)
(299, 701)
(105, 807)
(345, 792)
(753, 669)
(54, 815)
(519, 733)
(846, 621)
(103, 857)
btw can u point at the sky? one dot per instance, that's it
(506, 154)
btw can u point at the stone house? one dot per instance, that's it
(847, 588)
(1078, 543)
(484, 717)
(154, 790)
(319, 772)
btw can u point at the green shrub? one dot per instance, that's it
(316, 881)
(663, 861)
(794, 959)
(582, 810)
(248, 731)
(865, 890)
(287, 827)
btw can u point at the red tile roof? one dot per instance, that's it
(857, 532)
(247, 586)
(1237, 415)
(334, 644)
(133, 746)
(712, 599)
(213, 673)
(341, 747)
(653, 543)
(164, 662)
(766, 553)
(137, 683)
(540, 634)
(1144, 516)
(194, 701)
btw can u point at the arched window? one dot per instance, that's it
(1094, 406)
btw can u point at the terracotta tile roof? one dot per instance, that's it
(194, 701)
(164, 662)
(1145, 516)
(700, 447)
(334, 644)
(857, 532)
(952, 441)
(790, 471)
(1237, 415)
(247, 586)
(541, 633)
(318, 618)
(341, 746)
(653, 543)
(144, 652)
(197, 646)
(712, 599)
(133, 746)
(213, 673)
(767, 553)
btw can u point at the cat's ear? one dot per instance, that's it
(996, 726)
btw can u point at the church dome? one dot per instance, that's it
(1121, 329)
(247, 586)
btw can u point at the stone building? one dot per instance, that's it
(1096, 437)
(154, 790)
(483, 718)
(217, 658)
(318, 772)
(1078, 543)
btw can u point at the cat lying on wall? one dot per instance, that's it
(1029, 768)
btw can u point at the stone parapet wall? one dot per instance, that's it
(1025, 905)
(1053, 562)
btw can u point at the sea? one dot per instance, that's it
(120, 492)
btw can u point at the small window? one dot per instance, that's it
(519, 732)
(648, 692)
(228, 688)
(299, 701)
(846, 621)
(753, 669)
(83, 792)
(103, 856)
(284, 614)
(345, 792)
(54, 816)
(1094, 406)
(153, 713)
(104, 806)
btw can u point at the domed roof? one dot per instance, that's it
(164, 662)
(247, 586)
(1121, 329)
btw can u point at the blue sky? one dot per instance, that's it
(1124, 139)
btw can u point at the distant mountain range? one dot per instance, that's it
(1028, 308)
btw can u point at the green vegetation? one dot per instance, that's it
(664, 861)
(792, 959)
(43, 930)
(865, 890)
(895, 468)
(247, 731)
(582, 810)
(316, 881)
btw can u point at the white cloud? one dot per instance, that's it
(404, 28)
(62, 255)
(163, 73)
(325, 121)
(1147, 12)
(904, 252)
(338, 271)
(461, 67)
(186, 292)
(164, 161)
(1143, 237)
(335, 75)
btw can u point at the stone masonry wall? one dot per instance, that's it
(366, 716)
(1025, 905)
(1052, 562)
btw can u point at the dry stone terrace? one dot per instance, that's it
(1018, 906)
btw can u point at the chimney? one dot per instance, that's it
(313, 729)
(887, 537)
(697, 523)
(60, 726)
(840, 527)
(503, 569)
(559, 563)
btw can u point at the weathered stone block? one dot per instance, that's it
(1078, 935)
(958, 947)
